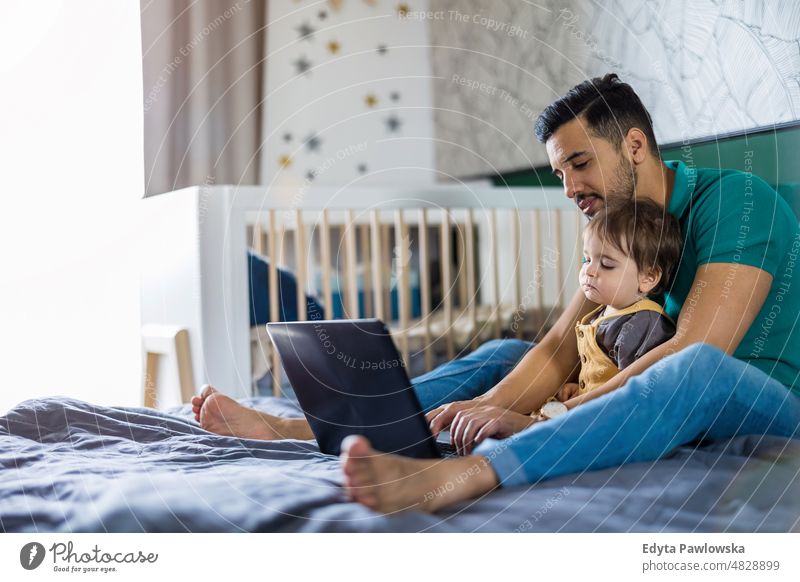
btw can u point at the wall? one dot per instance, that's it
(702, 68)
(348, 95)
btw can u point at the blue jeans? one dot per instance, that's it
(470, 376)
(697, 393)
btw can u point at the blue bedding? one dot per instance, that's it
(69, 466)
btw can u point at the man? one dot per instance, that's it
(730, 369)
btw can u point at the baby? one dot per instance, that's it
(629, 252)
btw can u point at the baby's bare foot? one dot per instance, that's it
(390, 483)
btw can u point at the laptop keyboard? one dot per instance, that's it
(446, 449)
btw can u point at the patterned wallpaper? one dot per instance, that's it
(701, 67)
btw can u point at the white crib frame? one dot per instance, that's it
(194, 262)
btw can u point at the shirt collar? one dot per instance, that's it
(685, 180)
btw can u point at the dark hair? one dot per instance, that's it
(642, 229)
(609, 106)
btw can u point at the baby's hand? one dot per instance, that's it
(568, 391)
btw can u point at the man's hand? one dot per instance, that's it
(440, 418)
(472, 426)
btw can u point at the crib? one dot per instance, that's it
(445, 266)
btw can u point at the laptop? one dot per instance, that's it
(350, 379)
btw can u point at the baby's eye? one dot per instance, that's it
(609, 267)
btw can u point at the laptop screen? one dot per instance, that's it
(349, 379)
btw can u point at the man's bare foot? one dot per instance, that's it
(222, 415)
(390, 483)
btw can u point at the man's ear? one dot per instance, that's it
(648, 280)
(636, 145)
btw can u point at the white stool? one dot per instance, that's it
(171, 341)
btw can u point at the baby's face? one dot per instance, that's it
(608, 276)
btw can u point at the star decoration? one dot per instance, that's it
(285, 161)
(302, 64)
(322, 15)
(305, 30)
(313, 142)
(382, 49)
(335, 4)
(287, 137)
(403, 9)
(393, 123)
(333, 47)
(310, 175)
(394, 96)
(371, 100)
(371, 2)
(362, 168)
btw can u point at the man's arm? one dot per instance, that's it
(726, 299)
(545, 369)
(537, 377)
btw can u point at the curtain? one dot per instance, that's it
(202, 75)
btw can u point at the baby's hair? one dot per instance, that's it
(645, 231)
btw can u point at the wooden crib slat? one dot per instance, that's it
(401, 265)
(313, 264)
(425, 288)
(377, 263)
(325, 252)
(258, 239)
(300, 268)
(461, 263)
(341, 267)
(538, 272)
(471, 291)
(516, 265)
(282, 243)
(559, 259)
(386, 284)
(496, 324)
(350, 249)
(274, 309)
(447, 277)
(363, 233)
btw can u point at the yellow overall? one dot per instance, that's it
(596, 367)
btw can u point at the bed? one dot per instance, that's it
(69, 466)
(503, 260)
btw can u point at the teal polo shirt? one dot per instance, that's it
(734, 217)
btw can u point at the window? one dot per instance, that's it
(71, 151)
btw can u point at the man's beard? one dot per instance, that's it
(623, 185)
